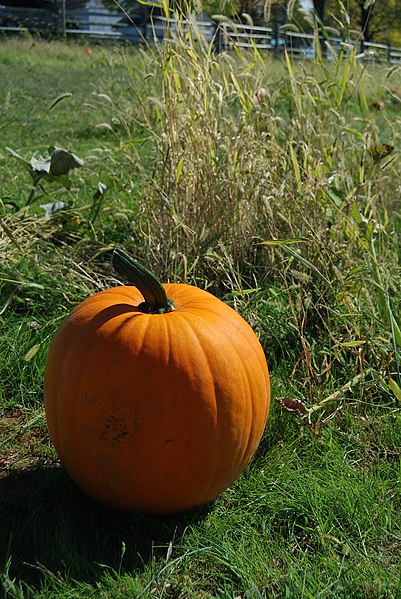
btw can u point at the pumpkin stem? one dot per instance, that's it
(156, 300)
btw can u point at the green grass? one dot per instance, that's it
(200, 167)
(311, 516)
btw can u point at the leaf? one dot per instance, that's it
(337, 395)
(354, 132)
(291, 241)
(51, 208)
(240, 92)
(16, 155)
(380, 151)
(356, 343)
(355, 213)
(25, 163)
(291, 404)
(40, 164)
(305, 262)
(101, 189)
(335, 196)
(179, 169)
(395, 389)
(292, 81)
(97, 197)
(58, 163)
(245, 292)
(344, 80)
(62, 162)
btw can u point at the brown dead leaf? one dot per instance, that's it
(291, 404)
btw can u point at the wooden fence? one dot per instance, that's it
(41, 21)
(90, 20)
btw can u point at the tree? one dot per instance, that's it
(377, 20)
(277, 12)
(320, 9)
(132, 7)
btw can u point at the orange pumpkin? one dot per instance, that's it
(156, 396)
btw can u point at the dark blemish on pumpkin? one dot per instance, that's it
(113, 422)
(120, 436)
(168, 440)
(116, 431)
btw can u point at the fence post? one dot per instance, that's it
(275, 37)
(63, 17)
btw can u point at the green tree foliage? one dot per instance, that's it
(126, 5)
(288, 12)
(228, 8)
(276, 11)
(378, 20)
(137, 6)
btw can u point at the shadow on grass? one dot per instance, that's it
(47, 523)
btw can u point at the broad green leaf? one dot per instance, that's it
(57, 163)
(355, 133)
(62, 162)
(355, 213)
(395, 389)
(335, 196)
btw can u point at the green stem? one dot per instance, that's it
(156, 300)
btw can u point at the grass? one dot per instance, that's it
(204, 157)
(311, 516)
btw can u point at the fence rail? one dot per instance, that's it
(90, 20)
(17, 19)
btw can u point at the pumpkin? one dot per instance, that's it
(156, 396)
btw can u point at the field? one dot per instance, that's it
(273, 184)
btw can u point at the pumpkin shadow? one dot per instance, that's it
(49, 525)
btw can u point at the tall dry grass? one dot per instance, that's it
(272, 183)
(261, 173)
